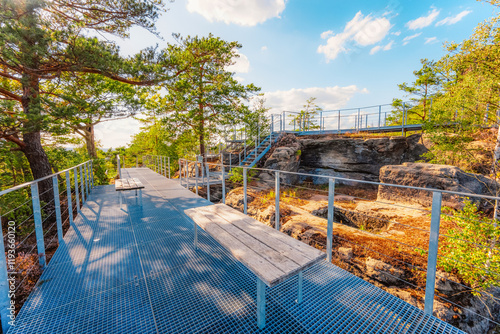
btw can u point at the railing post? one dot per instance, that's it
(6, 308)
(81, 185)
(196, 175)
(358, 118)
(69, 198)
(379, 115)
(92, 173)
(187, 173)
(433, 251)
(37, 215)
(208, 181)
(168, 158)
(57, 204)
(338, 125)
(77, 191)
(245, 199)
(180, 172)
(86, 171)
(403, 121)
(223, 184)
(230, 163)
(277, 201)
(118, 164)
(329, 228)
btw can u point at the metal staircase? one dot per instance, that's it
(260, 151)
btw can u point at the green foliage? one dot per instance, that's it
(204, 97)
(237, 175)
(305, 119)
(472, 249)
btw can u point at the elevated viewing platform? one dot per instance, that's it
(134, 269)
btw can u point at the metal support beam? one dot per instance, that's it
(77, 196)
(92, 173)
(261, 304)
(245, 199)
(300, 287)
(69, 197)
(329, 227)
(433, 251)
(57, 204)
(168, 167)
(37, 215)
(223, 184)
(196, 176)
(208, 180)
(277, 201)
(6, 308)
(82, 181)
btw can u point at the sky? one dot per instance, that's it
(346, 54)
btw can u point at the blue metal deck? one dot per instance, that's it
(133, 270)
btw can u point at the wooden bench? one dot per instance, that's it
(271, 255)
(129, 184)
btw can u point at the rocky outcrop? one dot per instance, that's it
(357, 158)
(284, 158)
(442, 177)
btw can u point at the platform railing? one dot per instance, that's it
(427, 253)
(32, 230)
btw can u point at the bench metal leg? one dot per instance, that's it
(195, 236)
(140, 197)
(120, 196)
(261, 304)
(299, 292)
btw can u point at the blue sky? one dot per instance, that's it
(344, 53)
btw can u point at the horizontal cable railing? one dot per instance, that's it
(34, 216)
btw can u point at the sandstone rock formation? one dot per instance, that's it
(443, 177)
(357, 158)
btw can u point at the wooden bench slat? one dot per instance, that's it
(274, 257)
(262, 243)
(267, 272)
(283, 248)
(264, 231)
(128, 184)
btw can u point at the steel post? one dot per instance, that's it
(223, 184)
(196, 176)
(37, 215)
(77, 191)
(261, 304)
(208, 181)
(69, 198)
(379, 115)
(329, 228)
(5, 281)
(81, 186)
(300, 287)
(57, 204)
(245, 204)
(433, 251)
(277, 201)
(168, 167)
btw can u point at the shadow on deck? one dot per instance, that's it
(135, 270)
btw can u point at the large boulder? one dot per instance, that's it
(285, 157)
(423, 175)
(356, 157)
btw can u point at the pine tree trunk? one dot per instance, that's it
(33, 150)
(90, 141)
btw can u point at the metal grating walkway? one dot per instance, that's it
(134, 270)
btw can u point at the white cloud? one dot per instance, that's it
(431, 40)
(423, 21)
(407, 39)
(453, 19)
(396, 33)
(364, 30)
(325, 34)
(264, 48)
(245, 13)
(239, 79)
(241, 64)
(378, 48)
(375, 49)
(116, 133)
(329, 98)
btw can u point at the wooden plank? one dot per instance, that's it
(283, 263)
(283, 248)
(262, 268)
(128, 184)
(262, 230)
